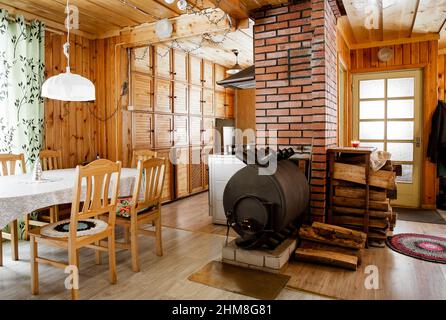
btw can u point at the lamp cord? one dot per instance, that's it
(66, 46)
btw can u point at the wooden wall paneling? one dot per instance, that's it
(168, 182)
(180, 97)
(163, 95)
(220, 74)
(195, 70)
(208, 102)
(180, 65)
(163, 61)
(127, 139)
(181, 172)
(441, 77)
(142, 60)
(142, 91)
(229, 104)
(142, 129)
(195, 130)
(181, 130)
(208, 131)
(220, 108)
(163, 131)
(208, 74)
(246, 115)
(196, 170)
(195, 100)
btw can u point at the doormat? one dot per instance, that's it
(396, 277)
(419, 246)
(419, 215)
(253, 283)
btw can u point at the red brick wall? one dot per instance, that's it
(296, 91)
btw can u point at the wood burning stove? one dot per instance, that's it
(265, 209)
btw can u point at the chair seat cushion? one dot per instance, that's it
(124, 205)
(85, 227)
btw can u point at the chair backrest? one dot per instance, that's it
(99, 175)
(142, 155)
(150, 178)
(51, 159)
(9, 162)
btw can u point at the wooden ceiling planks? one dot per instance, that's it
(366, 20)
(395, 20)
(398, 18)
(430, 17)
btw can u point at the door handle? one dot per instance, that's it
(417, 142)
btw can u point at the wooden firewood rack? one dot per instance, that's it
(333, 154)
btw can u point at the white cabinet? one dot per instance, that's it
(221, 169)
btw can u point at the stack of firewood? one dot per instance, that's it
(349, 198)
(330, 245)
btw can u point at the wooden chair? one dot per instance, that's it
(8, 164)
(51, 160)
(145, 209)
(97, 175)
(143, 154)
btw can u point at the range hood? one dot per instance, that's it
(245, 79)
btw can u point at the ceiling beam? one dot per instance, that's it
(385, 43)
(235, 8)
(184, 26)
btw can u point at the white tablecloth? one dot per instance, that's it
(19, 195)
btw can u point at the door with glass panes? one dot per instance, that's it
(387, 115)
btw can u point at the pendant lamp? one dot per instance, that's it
(68, 86)
(235, 68)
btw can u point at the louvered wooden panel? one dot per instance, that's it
(208, 131)
(229, 105)
(182, 171)
(168, 180)
(163, 95)
(208, 74)
(142, 124)
(163, 131)
(142, 92)
(180, 97)
(220, 109)
(163, 61)
(181, 132)
(206, 151)
(195, 130)
(195, 100)
(180, 65)
(142, 60)
(208, 102)
(195, 70)
(220, 74)
(196, 170)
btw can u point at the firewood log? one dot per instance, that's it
(360, 203)
(360, 212)
(353, 173)
(353, 221)
(359, 193)
(308, 244)
(333, 235)
(327, 257)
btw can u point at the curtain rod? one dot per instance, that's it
(28, 22)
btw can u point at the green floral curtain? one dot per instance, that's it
(21, 77)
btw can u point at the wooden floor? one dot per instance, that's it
(190, 242)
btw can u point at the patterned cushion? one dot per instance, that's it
(124, 206)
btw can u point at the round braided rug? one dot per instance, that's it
(84, 228)
(419, 246)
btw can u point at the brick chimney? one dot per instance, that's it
(296, 82)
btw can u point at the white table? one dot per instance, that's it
(19, 195)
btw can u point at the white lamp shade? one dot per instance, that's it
(69, 87)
